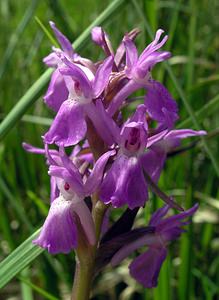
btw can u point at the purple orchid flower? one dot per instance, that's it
(125, 182)
(69, 126)
(59, 232)
(57, 91)
(159, 103)
(146, 267)
(68, 190)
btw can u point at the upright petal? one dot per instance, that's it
(64, 42)
(59, 233)
(102, 77)
(131, 54)
(69, 126)
(57, 91)
(146, 267)
(100, 37)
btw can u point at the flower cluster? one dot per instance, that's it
(114, 160)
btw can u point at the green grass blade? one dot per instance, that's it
(34, 91)
(16, 36)
(19, 259)
(39, 290)
(47, 33)
(26, 290)
(209, 108)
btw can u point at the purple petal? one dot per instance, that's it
(64, 42)
(183, 133)
(69, 126)
(154, 46)
(121, 96)
(156, 138)
(131, 53)
(160, 104)
(153, 162)
(84, 214)
(124, 184)
(51, 60)
(57, 92)
(74, 180)
(96, 176)
(101, 121)
(54, 191)
(148, 239)
(146, 267)
(100, 37)
(102, 76)
(158, 215)
(78, 74)
(59, 233)
(175, 220)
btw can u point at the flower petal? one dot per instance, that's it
(64, 42)
(57, 92)
(131, 54)
(160, 104)
(146, 267)
(84, 214)
(69, 126)
(96, 176)
(102, 77)
(124, 184)
(59, 233)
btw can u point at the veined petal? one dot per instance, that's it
(124, 184)
(102, 77)
(69, 126)
(59, 233)
(64, 42)
(57, 92)
(84, 214)
(146, 267)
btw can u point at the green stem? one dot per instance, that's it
(85, 258)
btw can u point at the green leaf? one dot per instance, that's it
(20, 258)
(34, 91)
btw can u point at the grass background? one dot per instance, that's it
(192, 268)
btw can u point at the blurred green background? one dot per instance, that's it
(192, 268)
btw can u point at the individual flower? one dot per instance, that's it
(145, 268)
(59, 233)
(125, 181)
(159, 103)
(69, 126)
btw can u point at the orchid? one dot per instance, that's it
(113, 158)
